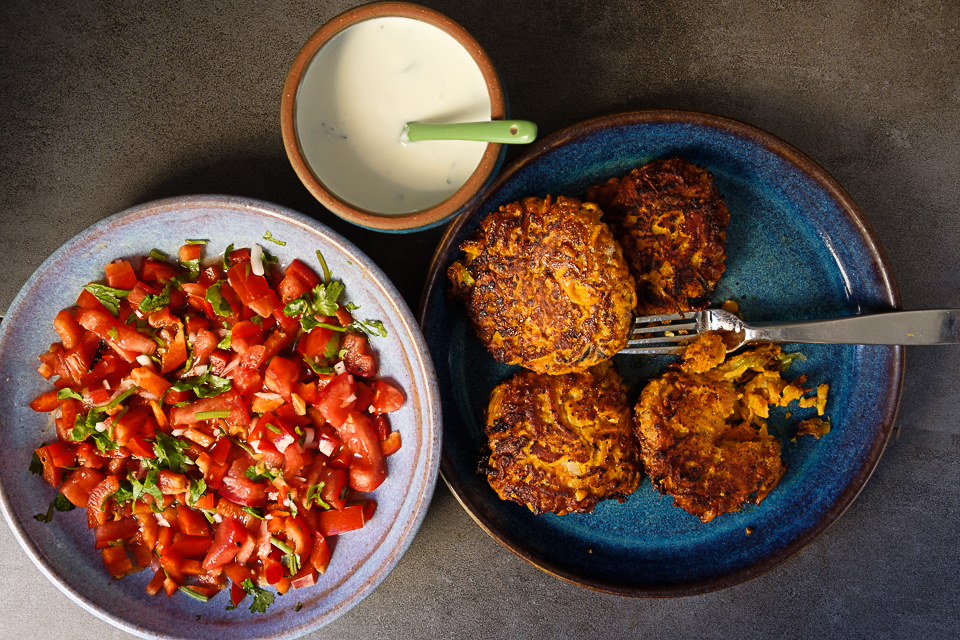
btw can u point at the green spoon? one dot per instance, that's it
(502, 131)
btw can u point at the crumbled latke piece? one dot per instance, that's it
(813, 427)
(545, 285)
(561, 443)
(703, 431)
(704, 354)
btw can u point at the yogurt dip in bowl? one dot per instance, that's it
(352, 88)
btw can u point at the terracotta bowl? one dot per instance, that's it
(465, 196)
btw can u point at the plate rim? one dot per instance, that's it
(422, 366)
(879, 258)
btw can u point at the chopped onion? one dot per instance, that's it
(199, 371)
(308, 433)
(273, 495)
(340, 368)
(177, 432)
(217, 518)
(256, 259)
(144, 360)
(106, 384)
(146, 395)
(161, 520)
(101, 427)
(347, 401)
(231, 365)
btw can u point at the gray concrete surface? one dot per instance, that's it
(104, 105)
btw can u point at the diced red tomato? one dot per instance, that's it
(359, 358)
(368, 470)
(333, 523)
(387, 398)
(68, 329)
(120, 275)
(190, 435)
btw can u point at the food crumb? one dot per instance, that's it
(749, 530)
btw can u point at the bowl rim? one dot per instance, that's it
(425, 218)
(895, 372)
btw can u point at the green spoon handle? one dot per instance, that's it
(502, 131)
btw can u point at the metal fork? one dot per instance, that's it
(649, 335)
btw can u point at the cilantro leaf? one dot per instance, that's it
(36, 466)
(269, 236)
(67, 392)
(313, 495)
(196, 490)
(256, 475)
(325, 297)
(226, 257)
(373, 327)
(169, 452)
(351, 307)
(85, 426)
(155, 301)
(192, 267)
(60, 503)
(227, 341)
(261, 597)
(220, 306)
(147, 486)
(206, 385)
(158, 255)
(109, 297)
(333, 346)
(268, 258)
(254, 511)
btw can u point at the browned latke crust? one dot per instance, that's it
(702, 430)
(561, 443)
(545, 285)
(672, 224)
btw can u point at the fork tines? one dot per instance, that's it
(650, 334)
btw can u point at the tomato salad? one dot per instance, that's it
(217, 422)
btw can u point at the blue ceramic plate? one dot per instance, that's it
(64, 550)
(797, 247)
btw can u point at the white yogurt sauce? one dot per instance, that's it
(360, 90)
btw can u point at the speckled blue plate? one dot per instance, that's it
(798, 247)
(64, 550)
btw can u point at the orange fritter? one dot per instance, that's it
(702, 426)
(561, 443)
(672, 224)
(546, 286)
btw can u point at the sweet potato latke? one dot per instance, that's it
(546, 286)
(702, 426)
(561, 443)
(672, 224)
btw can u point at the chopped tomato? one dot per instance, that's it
(156, 467)
(68, 329)
(120, 275)
(368, 470)
(387, 398)
(359, 358)
(333, 523)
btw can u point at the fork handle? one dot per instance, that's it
(932, 326)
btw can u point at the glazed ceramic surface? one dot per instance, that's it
(798, 248)
(64, 548)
